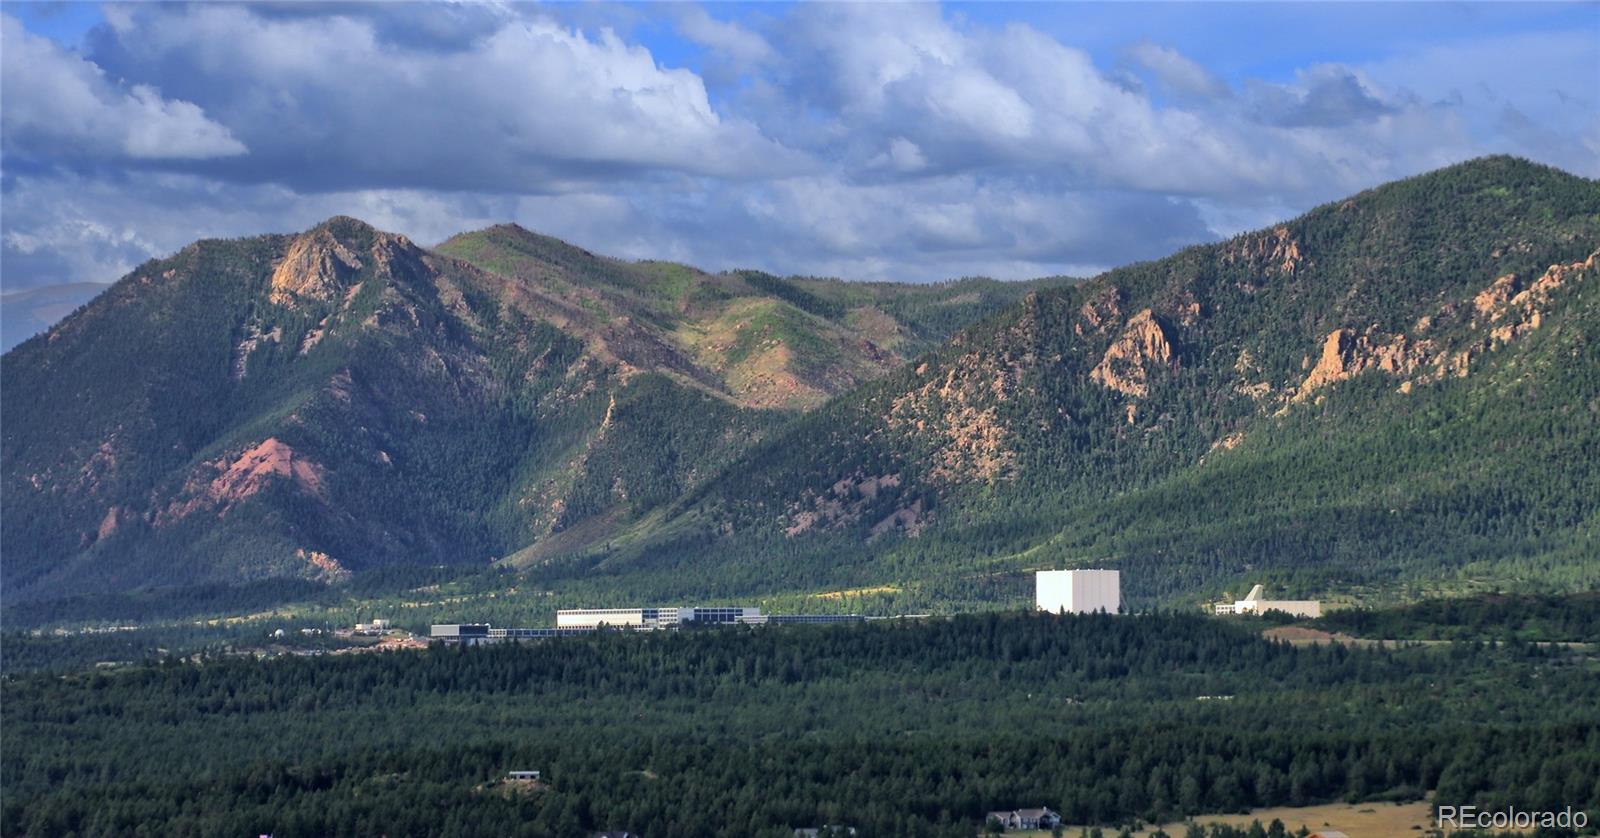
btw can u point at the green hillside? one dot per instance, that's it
(1393, 394)
(759, 340)
(341, 401)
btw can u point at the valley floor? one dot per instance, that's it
(896, 727)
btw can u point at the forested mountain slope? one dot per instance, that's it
(320, 404)
(1398, 389)
(1394, 391)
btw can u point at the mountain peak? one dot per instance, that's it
(317, 266)
(344, 225)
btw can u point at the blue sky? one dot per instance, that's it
(870, 141)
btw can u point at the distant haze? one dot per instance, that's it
(24, 314)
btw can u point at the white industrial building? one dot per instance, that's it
(580, 621)
(657, 618)
(1254, 604)
(1078, 591)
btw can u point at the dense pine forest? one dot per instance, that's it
(900, 727)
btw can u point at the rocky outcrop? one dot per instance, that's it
(1127, 364)
(115, 518)
(1346, 354)
(1339, 361)
(322, 565)
(1503, 312)
(844, 503)
(955, 412)
(222, 484)
(1491, 302)
(1274, 251)
(315, 267)
(1099, 312)
(254, 338)
(958, 416)
(908, 520)
(1251, 381)
(1517, 310)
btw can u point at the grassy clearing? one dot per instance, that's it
(1358, 820)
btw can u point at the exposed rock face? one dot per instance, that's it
(1251, 381)
(115, 517)
(1346, 354)
(957, 416)
(1338, 362)
(1522, 311)
(323, 565)
(241, 353)
(1126, 366)
(1491, 301)
(844, 503)
(1099, 312)
(908, 520)
(970, 442)
(316, 267)
(1501, 313)
(223, 484)
(1275, 251)
(1187, 309)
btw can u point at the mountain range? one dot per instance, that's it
(1399, 391)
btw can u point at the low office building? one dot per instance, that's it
(807, 619)
(632, 618)
(1253, 603)
(579, 621)
(650, 619)
(460, 632)
(1078, 591)
(655, 618)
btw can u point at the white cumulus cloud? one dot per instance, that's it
(55, 101)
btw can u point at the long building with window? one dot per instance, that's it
(657, 618)
(576, 621)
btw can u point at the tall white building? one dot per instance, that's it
(1078, 591)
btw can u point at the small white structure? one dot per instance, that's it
(1254, 604)
(1041, 818)
(1078, 591)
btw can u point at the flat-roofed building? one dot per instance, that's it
(657, 618)
(468, 632)
(810, 619)
(1078, 591)
(579, 621)
(596, 617)
(1253, 603)
(719, 615)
